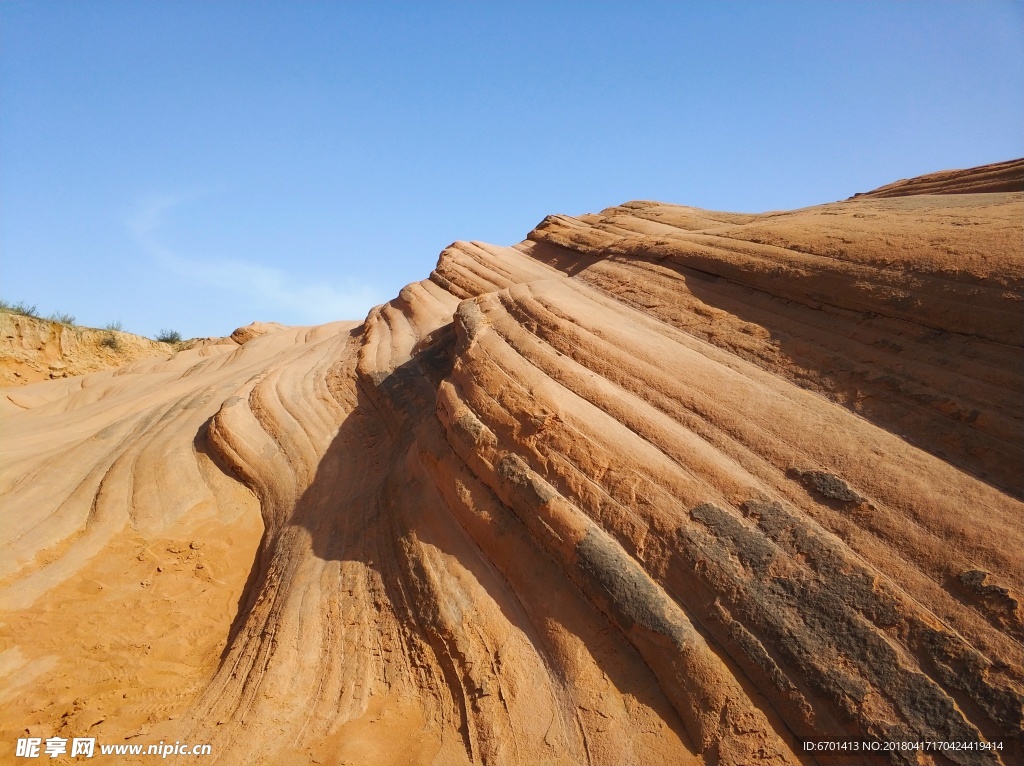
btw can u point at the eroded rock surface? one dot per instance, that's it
(656, 485)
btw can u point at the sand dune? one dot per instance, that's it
(657, 485)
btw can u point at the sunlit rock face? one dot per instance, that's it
(657, 485)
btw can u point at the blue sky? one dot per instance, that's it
(200, 165)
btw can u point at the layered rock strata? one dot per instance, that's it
(656, 485)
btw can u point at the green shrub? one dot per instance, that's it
(114, 326)
(169, 336)
(110, 341)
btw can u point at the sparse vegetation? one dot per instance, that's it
(110, 340)
(169, 336)
(31, 310)
(19, 308)
(62, 318)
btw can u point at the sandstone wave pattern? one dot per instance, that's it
(658, 485)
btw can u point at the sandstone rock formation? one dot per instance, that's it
(999, 177)
(658, 485)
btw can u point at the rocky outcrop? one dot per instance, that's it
(999, 177)
(656, 485)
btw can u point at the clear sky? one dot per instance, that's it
(200, 165)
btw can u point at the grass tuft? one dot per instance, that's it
(19, 308)
(62, 318)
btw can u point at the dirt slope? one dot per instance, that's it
(657, 485)
(34, 349)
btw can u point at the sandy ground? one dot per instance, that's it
(656, 485)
